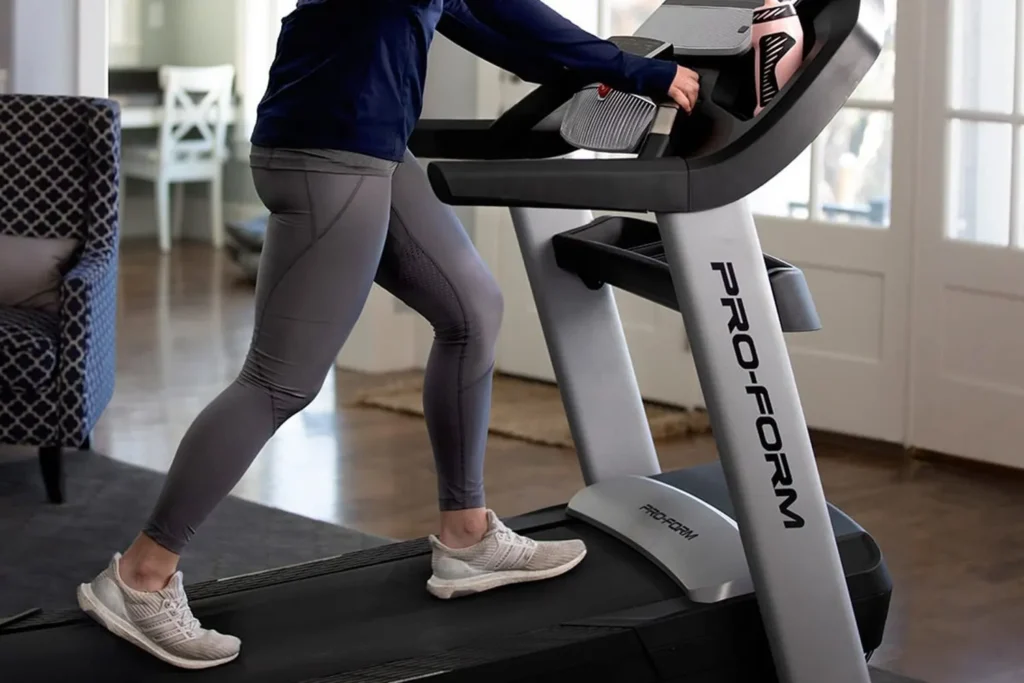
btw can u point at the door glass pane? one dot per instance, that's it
(788, 193)
(878, 83)
(626, 16)
(980, 160)
(856, 180)
(982, 41)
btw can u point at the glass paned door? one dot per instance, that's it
(968, 327)
(840, 212)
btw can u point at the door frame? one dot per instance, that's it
(93, 38)
(930, 176)
(987, 269)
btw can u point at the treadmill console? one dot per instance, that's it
(704, 28)
(652, 48)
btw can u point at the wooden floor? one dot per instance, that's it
(953, 538)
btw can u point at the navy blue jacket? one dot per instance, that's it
(349, 74)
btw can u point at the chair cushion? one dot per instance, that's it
(31, 269)
(28, 349)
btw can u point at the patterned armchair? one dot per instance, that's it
(59, 166)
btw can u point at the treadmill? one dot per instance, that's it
(727, 573)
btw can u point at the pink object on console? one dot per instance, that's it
(778, 48)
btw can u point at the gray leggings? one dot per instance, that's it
(335, 228)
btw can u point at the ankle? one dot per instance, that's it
(457, 540)
(146, 566)
(147, 578)
(463, 528)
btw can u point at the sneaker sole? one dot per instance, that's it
(112, 622)
(456, 588)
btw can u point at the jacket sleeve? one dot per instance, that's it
(463, 28)
(535, 42)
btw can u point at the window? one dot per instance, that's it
(846, 174)
(624, 17)
(985, 117)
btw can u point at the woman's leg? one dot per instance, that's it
(430, 263)
(322, 249)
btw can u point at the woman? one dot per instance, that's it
(349, 207)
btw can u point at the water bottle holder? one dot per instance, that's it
(734, 89)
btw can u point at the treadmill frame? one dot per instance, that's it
(740, 354)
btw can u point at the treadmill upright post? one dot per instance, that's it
(724, 295)
(588, 351)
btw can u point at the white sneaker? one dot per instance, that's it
(503, 557)
(160, 623)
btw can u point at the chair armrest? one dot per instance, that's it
(88, 322)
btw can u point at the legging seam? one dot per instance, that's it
(314, 238)
(462, 352)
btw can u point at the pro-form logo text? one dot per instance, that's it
(767, 428)
(670, 522)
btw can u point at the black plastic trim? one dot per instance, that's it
(609, 184)
(528, 130)
(477, 139)
(628, 253)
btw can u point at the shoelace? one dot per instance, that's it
(182, 614)
(508, 536)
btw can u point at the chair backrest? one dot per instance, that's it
(59, 167)
(197, 108)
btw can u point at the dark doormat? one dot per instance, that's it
(47, 550)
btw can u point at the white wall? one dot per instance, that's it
(6, 32)
(41, 45)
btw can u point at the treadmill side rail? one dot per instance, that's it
(693, 542)
(743, 365)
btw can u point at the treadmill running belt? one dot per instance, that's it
(351, 620)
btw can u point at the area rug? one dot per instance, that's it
(47, 550)
(529, 410)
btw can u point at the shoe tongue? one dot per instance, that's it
(493, 522)
(175, 586)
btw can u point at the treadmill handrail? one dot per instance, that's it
(476, 139)
(607, 184)
(525, 131)
(764, 147)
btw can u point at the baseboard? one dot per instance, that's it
(859, 444)
(988, 470)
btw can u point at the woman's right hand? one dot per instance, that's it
(685, 88)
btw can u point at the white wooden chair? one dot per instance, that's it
(192, 145)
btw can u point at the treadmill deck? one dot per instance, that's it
(367, 616)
